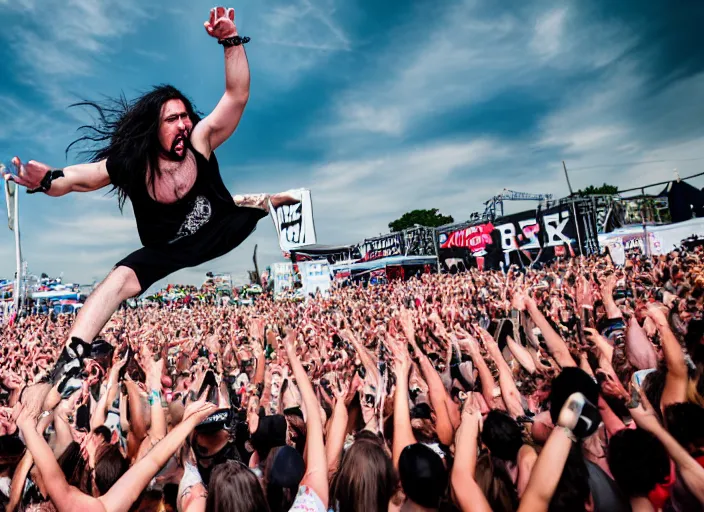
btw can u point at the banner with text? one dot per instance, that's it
(294, 223)
(553, 231)
(391, 245)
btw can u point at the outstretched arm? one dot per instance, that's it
(216, 128)
(76, 178)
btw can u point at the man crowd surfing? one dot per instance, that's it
(574, 387)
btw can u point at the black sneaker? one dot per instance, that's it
(71, 358)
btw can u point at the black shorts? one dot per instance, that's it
(216, 239)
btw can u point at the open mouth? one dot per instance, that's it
(179, 145)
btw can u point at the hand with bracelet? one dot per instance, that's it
(221, 25)
(35, 176)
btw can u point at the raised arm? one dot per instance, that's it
(338, 428)
(316, 476)
(509, 391)
(127, 489)
(403, 432)
(675, 390)
(547, 471)
(692, 473)
(556, 345)
(74, 178)
(63, 496)
(467, 493)
(216, 128)
(550, 464)
(364, 356)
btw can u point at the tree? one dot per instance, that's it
(428, 218)
(603, 190)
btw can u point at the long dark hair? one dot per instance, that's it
(234, 488)
(280, 499)
(366, 479)
(127, 133)
(494, 479)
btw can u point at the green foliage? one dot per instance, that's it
(603, 190)
(428, 218)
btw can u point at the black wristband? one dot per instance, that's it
(45, 184)
(233, 41)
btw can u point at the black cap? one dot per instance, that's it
(423, 475)
(575, 380)
(219, 420)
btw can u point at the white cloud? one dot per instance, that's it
(549, 32)
(90, 231)
(358, 198)
(61, 40)
(621, 119)
(297, 36)
(468, 57)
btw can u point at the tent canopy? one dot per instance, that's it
(323, 249)
(386, 262)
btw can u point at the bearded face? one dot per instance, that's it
(175, 128)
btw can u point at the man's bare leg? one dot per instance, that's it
(120, 284)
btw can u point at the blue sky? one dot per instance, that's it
(377, 107)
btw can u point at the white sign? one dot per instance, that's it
(316, 276)
(294, 223)
(283, 277)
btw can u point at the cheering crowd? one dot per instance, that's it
(575, 387)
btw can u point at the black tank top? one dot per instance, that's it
(203, 207)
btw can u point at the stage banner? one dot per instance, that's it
(547, 233)
(531, 230)
(419, 242)
(391, 245)
(474, 238)
(294, 223)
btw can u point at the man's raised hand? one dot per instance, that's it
(221, 24)
(28, 175)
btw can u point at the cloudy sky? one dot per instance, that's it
(377, 107)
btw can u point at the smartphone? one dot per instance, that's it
(209, 380)
(128, 357)
(587, 319)
(83, 418)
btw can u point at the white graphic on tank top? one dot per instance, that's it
(199, 217)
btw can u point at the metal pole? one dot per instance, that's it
(18, 252)
(646, 243)
(437, 249)
(576, 227)
(567, 177)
